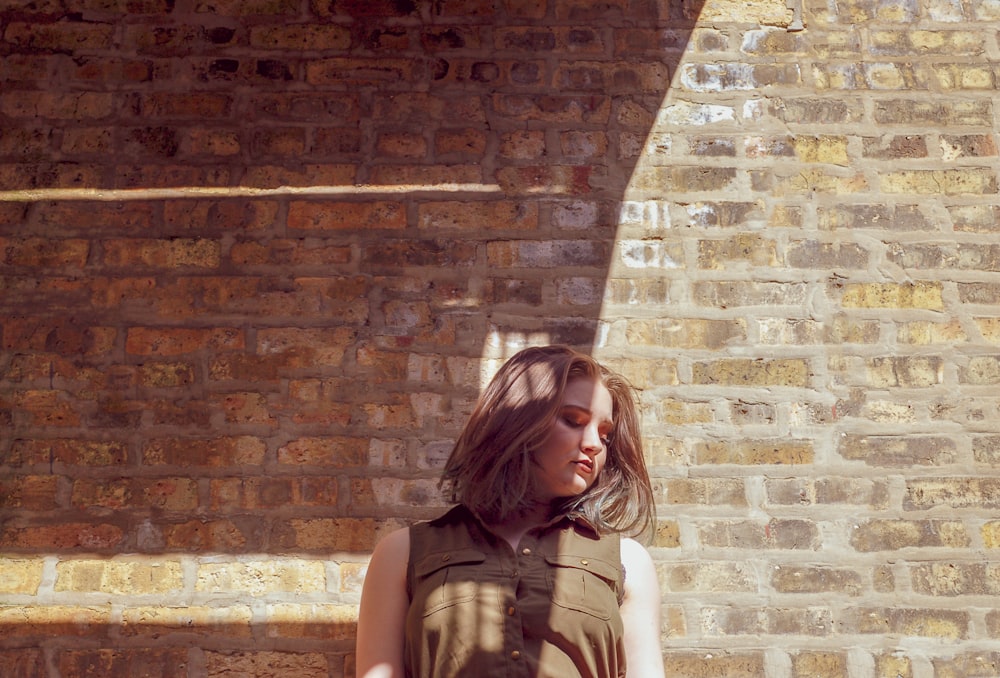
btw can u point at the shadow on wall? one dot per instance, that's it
(252, 266)
(253, 262)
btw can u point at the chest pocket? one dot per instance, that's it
(583, 584)
(441, 580)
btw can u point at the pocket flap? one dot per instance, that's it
(435, 561)
(610, 572)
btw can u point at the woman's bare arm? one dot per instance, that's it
(641, 613)
(382, 618)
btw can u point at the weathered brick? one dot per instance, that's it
(179, 341)
(152, 662)
(820, 664)
(332, 534)
(215, 452)
(817, 579)
(30, 493)
(210, 535)
(955, 492)
(927, 623)
(890, 535)
(316, 621)
(730, 621)
(925, 295)
(775, 534)
(684, 333)
(752, 372)
(197, 621)
(887, 450)
(709, 576)
(955, 579)
(119, 576)
(23, 662)
(46, 621)
(20, 575)
(972, 664)
(71, 452)
(262, 577)
(813, 492)
(473, 217)
(754, 452)
(222, 664)
(65, 536)
(735, 664)
(705, 491)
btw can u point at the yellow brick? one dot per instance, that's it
(818, 181)
(263, 577)
(667, 534)
(970, 181)
(925, 332)
(991, 535)
(763, 12)
(317, 621)
(50, 621)
(20, 575)
(990, 329)
(755, 452)
(826, 149)
(751, 372)
(925, 295)
(352, 576)
(232, 621)
(132, 577)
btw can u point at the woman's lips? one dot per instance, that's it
(586, 464)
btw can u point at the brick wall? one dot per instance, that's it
(259, 255)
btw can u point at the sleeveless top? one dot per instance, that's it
(477, 608)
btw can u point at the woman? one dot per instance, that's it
(529, 574)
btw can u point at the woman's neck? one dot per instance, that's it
(517, 524)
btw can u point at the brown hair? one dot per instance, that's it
(489, 469)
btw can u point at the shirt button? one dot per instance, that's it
(510, 611)
(513, 575)
(585, 562)
(445, 558)
(526, 551)
(515, 655)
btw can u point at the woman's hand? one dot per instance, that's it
(382, 618)
(640, 612)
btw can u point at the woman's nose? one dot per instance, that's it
(591, 442)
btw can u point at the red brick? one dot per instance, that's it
(23, 662)
(339, 452)
(244, 451)
(29, 493)
(70, 452)
(209, 535)
(44, 252)
(359, 216)
(150, 341)
(62, 536)
(146, 662)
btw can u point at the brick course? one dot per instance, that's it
(258, 258)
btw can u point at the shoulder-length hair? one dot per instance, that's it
(490, 467)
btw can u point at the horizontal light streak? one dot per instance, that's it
(196, 192)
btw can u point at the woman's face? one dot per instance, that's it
(573, 453)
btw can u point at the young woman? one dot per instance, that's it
(529, 574)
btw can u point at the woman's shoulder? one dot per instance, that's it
(393, 545)
(634, 552)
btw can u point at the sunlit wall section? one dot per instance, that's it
(805, 290)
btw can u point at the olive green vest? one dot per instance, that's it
(478, 609)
